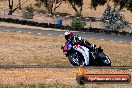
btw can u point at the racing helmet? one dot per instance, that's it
(68, 35)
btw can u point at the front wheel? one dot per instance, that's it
(76, 59)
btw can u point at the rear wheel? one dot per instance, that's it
(103, 60)
(107, 62)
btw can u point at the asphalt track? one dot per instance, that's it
(119, 38)
(101, 36)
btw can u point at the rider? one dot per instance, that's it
(77, 39)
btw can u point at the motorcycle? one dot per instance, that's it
(77, 54)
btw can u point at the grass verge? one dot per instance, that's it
(30, 49)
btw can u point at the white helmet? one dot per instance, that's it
(68, 35)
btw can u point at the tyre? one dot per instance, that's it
(23, 22)
(9, 20)
(103, 60)
(108, 63)
(76, 61)
(73, 61)
(1, 19)
(15, 20)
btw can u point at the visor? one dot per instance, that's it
(67, 37)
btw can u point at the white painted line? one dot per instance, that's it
(29, 32)
(101, 39)
(111, 40)
(60, 35)
(120, 41)
(39, 33)
(7, 30)
(20, 31)
(49, 34)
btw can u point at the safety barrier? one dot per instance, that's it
(52, 25)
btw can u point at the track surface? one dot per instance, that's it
(119, 38)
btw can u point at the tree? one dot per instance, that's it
(123, 4)
(50, 5)
(95, 3)
(11, 9)
(113, 20)
(77, 22)
(75, 4)
(20, 4)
